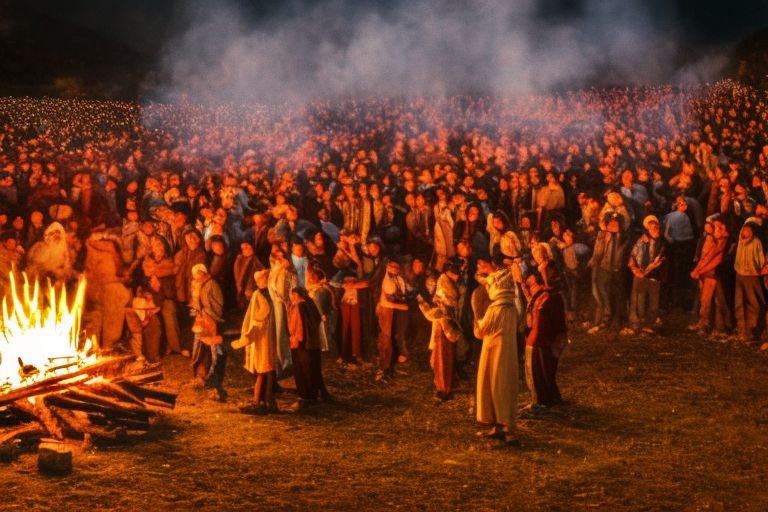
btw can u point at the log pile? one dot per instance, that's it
(100, 402)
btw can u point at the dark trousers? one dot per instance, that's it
(749, 304)
(307, 372)
(679, 287)
(350, 332)
(644, 302)
(540, 375)
(607, 288)
(393, 324)
(712, 298)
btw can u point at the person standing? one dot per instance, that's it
(282, 279)
(749, 301)
(192, 253)
(681, 240)
(646, 263)
(711, 291)
(607, 264)
(497, 371)
(445, 333)
(547, 336)
(392, 313)
(158, 268)
(304, 328)
(257, 336)
(208, 352)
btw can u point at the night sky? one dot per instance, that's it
(147, 24)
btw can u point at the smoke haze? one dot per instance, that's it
(338, 48)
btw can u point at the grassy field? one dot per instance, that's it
(669, 422)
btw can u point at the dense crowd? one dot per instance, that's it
(481, 227)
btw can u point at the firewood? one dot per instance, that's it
(151, 402)
(48, 420)
(144, 378)
(86, 396)
(100, 419)
(144, 393)
(109, 411)
(112, 389)
(79, 426)
(26, 430)
(47, 385)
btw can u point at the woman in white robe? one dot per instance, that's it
(497, 371)
(281, 281)
(257, 335)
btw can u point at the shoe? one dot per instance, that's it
(327, 398)
(512, 441)
(594, 329)
(694, 327)
(764, 347)
(379, 376)
(627, 331)
(402, 359)
(254, 408)
(494, 433)
(221, 396)
(297, 406)
(186, 353)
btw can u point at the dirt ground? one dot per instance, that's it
(670, 422)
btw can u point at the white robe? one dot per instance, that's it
(497, 371)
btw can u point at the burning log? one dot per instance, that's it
(84, 405)
(54, 383)
(48, 385)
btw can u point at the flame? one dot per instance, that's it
(40, 334)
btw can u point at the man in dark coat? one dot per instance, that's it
(304, 324)
(547, 336)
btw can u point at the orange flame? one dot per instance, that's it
(41, 338)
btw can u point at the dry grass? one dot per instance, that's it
(663, 423)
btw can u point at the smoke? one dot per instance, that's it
(348, 48)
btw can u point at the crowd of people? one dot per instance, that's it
(481, 228)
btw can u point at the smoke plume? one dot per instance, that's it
(347, 48)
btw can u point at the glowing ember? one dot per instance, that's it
(40, 334)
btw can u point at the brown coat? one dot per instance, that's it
(184, 261)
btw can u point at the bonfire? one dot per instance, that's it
(54, 382)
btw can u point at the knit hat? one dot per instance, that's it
(648, 219)
(199, 269)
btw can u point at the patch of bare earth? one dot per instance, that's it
(669, 422)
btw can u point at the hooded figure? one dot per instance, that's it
(257, 335)
(50, 257)
(497, 370)
(106, 294)
(445, 333)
